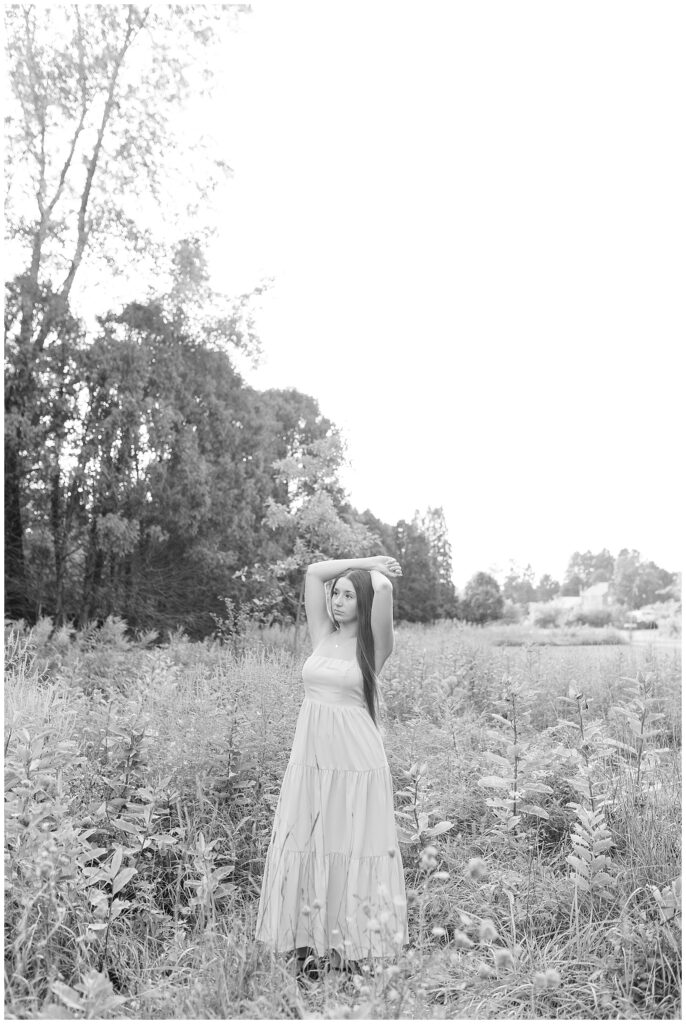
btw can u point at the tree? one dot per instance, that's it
(435, 529)
(89, 126)
(585, 569)
(417, 596)
(483, 601)
(519, 585)
(547, 588)
(385, 532)
(572, 585)
(308, 520)
(636, 583)
(147, 494)
(425, 592)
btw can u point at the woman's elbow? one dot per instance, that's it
(382, 584)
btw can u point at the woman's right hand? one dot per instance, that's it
(388, 566)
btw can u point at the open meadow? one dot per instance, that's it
(537, 779)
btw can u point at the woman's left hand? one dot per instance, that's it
(388, 566)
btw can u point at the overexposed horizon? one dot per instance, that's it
(470, 216)
(469, 213)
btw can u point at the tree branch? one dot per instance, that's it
(83, 229)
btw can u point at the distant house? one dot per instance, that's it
(593, 598)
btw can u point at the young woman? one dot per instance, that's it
(333, 882)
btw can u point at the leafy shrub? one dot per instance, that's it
(512, 613)
(596, 617)
(547, 617)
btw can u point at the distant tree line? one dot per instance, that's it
(632, 584)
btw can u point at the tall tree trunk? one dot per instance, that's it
(17, 604)
(92, 577)
(58, 541)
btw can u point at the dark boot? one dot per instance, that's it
(307, 965)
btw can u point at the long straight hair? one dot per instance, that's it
(366, 659)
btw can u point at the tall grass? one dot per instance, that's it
(141, 785)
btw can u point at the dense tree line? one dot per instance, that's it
(157, 483)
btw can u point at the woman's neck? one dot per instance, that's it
(346, 632)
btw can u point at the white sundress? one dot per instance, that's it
(333, 876)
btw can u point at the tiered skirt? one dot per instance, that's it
(333, 875)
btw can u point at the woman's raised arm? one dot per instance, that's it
(319, 573)
(382, 618)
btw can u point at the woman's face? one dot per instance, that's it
(344, 601)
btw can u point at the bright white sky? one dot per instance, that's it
(471, 212)
(474, 216)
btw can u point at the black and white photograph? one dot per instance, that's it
(344, 474)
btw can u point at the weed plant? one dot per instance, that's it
(538, 805)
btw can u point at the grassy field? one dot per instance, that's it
(538, 794)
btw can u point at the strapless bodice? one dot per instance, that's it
(335, 681)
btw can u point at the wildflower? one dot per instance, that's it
(437, 930)
(306, 911)
(552, 978)
(485, 971)
(503, 959)
(411, 897)
(462, 940)
(487, 931)
(428, 857)
(317, 904)
(476, 868)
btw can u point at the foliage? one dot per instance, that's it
(89, 118)
(548, 616)
(160, 471)
(310, 525)
(633, 582)
(636, 583)
(597, 617)
(547, 588)
(139, 812)
(585, 569)
(483, 601)
(426, 591)
(519, 585)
